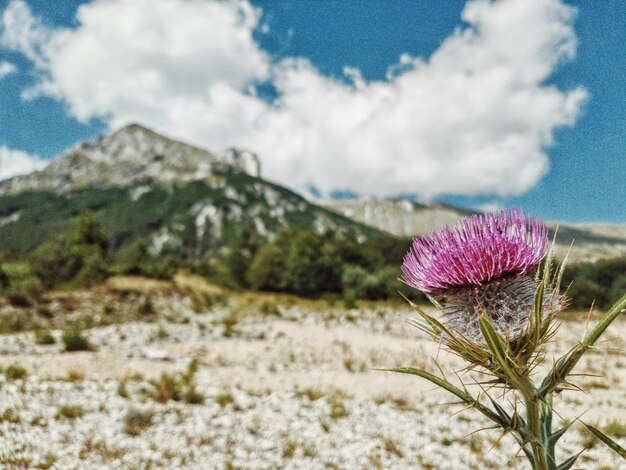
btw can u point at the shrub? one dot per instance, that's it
(44, 337)
(71, 412)
(349, 299)
(136, 421)
(267, 268)
(289, 449)
(55, 261)
(74, 340)
(25, 292)
(177, 387)
(77, 255)
(241, 253)
(9, 415)
(618, 287)
(15, 372)
(338, 409)
(225, 399)
(377, 284)
(93, 270)
(602, 281)
(146, 308)
(4, 277)
(311, 267)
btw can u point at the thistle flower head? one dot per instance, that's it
(479, 249)
(482, 267)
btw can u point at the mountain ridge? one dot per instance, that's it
(406, 218)
(141, 171)
(129, 155)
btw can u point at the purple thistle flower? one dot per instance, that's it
(481, 266)
(479, 249)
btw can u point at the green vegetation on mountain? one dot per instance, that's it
(602, 283)
(235, 229)
(189, 220)
(299, 261)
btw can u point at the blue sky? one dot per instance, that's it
(583, 178)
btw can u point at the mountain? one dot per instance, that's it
(406, 218)
(132, 154)
(144, 187)
(181, 199)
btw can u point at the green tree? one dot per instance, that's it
(77, 255)
(267, 269)
(55, 261)
(312, 266)
(88, 231)
(241, 253)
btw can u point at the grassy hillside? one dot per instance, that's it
(196, 218)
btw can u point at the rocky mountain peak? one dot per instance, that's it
(128, 155)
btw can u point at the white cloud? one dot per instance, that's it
(476, 117)
(6, 68)
(16, 162)
(491, 206)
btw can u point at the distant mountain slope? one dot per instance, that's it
(400, 217)
(130, 155)
(407, 218)
(145, 187)
(195, 219)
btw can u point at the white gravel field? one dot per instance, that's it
(292, 389)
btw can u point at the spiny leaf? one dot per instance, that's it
(555, 436)
(466, 397)
(607, 440)
(434, 301)
(503, 414)
(527, 452)
(494, 342)
(537, 315)
(569, 462)
(566, 363)
(499, 350)
(443, 383)
(558, 275)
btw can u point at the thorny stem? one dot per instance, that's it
(513, 371)
(533, 420)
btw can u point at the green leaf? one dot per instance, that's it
(499, 351)
(538, 313)
(607, 440)
(463, 395)
(434, 301)
(611, 315)
(555, 436)
(528, 452)
(530, 457)
(494, 341)
(569, 462)
(566, 363)
(503, 414)
(443, 383)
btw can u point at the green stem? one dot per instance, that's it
(533, 420)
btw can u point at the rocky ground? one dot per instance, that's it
(266, 382)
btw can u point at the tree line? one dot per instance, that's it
(297, 261)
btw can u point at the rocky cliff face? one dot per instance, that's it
(130, 155)
(400, 217)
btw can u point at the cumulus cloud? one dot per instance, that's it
(16, 162)
(476, 117)
(6, 68)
